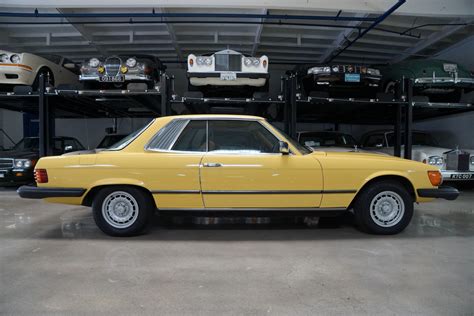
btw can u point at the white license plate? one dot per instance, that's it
(228, 76)
(450, 67)
(462, 176)
(112, 78)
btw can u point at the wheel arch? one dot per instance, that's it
(399, 178)
(91, 193)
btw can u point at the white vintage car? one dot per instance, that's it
(25, 68)
(454, 164)
(228, 68)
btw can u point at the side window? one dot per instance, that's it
(192, 138)
(241, 136)
(374, 140)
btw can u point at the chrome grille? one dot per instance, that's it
(228, 62)
(457, 160)
(112, 66)
(6, 163)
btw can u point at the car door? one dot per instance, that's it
(175, 153)
(243, 168)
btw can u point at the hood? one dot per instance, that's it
(19, 154)
(361, 155)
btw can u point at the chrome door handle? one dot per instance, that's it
(212, 164)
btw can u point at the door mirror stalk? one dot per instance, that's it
(284, 148)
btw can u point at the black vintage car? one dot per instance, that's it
(110, 139)
(17, 164)
(117, 72)
(338, 80)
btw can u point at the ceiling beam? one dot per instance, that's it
(418, 7)
(85, 34)
(341, 38)
(430, 40)
(258, 34)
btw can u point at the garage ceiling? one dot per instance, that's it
(420, 34)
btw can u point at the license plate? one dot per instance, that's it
(450, 67)
(352, 78)
(462, 176)
(2, 175)
(228, 76)
(112, 78)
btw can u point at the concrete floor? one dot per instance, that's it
(53, 259)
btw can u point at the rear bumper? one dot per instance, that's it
(32, 192)
(443, 192)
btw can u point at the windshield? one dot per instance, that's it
(31, 144)
(419, 139)
(322, 139)
(303, 149)
(128, 139)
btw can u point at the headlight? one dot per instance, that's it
(15, 58)
(208, 61)
(22, 163)
(335, 69)
(372, 71)
(4, 58)
(319, 70)
(131, 62)
(472, 160)
(435, 160)
(94, 62)
(256, 62)
(247, 62)
(202, 60)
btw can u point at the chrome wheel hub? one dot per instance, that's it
(120, 209)
(387, 209)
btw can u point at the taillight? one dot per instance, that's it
(41, 176)
(435, 178)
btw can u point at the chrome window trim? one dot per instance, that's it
(207, 119)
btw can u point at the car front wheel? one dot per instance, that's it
(122, 211)
(384, 208)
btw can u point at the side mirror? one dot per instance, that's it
(284, 148)
(67, 148)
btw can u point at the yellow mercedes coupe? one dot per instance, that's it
(216, 164)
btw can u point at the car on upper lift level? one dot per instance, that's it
(17, 163)
(433, 80)
(338, 80)
(228, 73)
(118, 71)
(219, 163)
(24, 69)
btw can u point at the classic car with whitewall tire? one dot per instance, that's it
(118, 71)
(17, 163)
(213, 164)
(338, 80)
(24, 69)
(227, 73)
(454, 164)
(433, 80)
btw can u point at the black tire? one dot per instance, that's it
(49, 80)
(139, 224)
(391, 192)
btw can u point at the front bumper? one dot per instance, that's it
(12, 177)
(457, 175)
(338, 79)
(16, 75)
(128, 77)
(443, 192)
(32, 192)
(214, 79)
(444, 82)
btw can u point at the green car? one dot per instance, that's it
(434, 80)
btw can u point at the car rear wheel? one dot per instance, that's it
(122, 211)
(385, 208)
